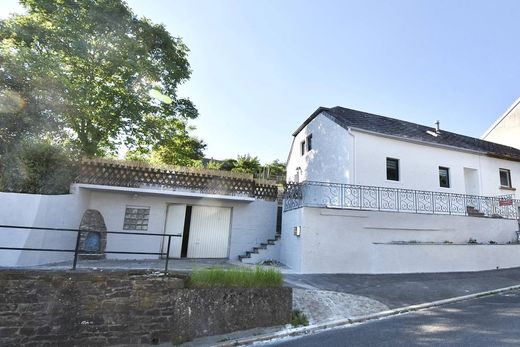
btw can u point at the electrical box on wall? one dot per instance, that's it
(297, 231)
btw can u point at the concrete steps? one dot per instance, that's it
(269, 250)
(472, 211)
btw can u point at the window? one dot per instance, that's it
(505, 178)
(309, 142)
(136, 218)
(444, 177)
(392, 169)
(302, 147)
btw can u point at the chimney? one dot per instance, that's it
(437, 127)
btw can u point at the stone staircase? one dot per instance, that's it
(270, 250)
(473, 212)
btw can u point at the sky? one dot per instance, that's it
(260, 68)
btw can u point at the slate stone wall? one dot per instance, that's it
(49, 308)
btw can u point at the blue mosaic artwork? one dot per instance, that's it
(93, 242)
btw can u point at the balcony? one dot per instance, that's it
(348, 196)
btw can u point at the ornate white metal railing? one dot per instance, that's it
(336, 195)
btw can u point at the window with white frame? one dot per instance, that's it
(505, 178)
(136, 218)
(302, 147)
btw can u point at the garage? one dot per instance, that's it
(205, 231)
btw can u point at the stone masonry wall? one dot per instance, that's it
(49, 308)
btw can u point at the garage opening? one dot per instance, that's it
(205, 231)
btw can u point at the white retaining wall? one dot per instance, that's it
(252, 223)
(55, 211)
(350, 241)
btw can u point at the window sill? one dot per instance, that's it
(392, 181)
(507, 188)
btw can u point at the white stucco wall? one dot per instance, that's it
(251, 222)
(347, 241)
(251, 225)
(359, 157)
(419, 166)
(54, 211)
(290, 245)
(330, 158)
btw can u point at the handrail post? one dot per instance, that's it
(76, 250)
(379, 198)
(168, 254)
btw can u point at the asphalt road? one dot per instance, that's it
(398, 290)
(487, 321)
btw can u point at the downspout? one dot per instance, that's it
(353, 173)
(480, 183)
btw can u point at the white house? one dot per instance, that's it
(506, 130)
(373, 194)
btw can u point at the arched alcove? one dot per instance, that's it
(93, 238)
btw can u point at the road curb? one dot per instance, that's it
(348, 321)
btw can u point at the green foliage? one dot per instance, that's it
(38, 168)
(276, 168)
(236, 277)
(181, 150)
(214, 165)
(94, 69)
(298, 318)
(228, 164)
(247, 164)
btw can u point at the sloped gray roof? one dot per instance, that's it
(348, 118)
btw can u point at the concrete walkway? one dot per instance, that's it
(408, 289)
(323, 305)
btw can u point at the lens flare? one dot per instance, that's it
(11, 101)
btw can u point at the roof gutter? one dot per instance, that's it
(499, 120)
(311, 117)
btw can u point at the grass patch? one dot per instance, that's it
(235, 278)
(299, 318)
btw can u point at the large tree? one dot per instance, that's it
(99, 73)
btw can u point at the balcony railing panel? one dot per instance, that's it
(335, 195)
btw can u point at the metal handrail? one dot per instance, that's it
(340, 195)
(78, 251)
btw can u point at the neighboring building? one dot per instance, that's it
(506, 130)
(372, 194)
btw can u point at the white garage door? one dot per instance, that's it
(209, 232)
(174, 226)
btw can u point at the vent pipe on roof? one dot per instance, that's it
(437, 127)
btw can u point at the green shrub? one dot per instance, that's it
(235, 278)
(37, 168)
(299, 318)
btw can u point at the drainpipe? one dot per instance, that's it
(353, 173)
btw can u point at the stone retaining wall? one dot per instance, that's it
(106, 308)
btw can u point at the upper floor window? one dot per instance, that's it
(505, 178)
(444, 177)
(309, 142)
(302, 147)
(136, 218)
(392, 169)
